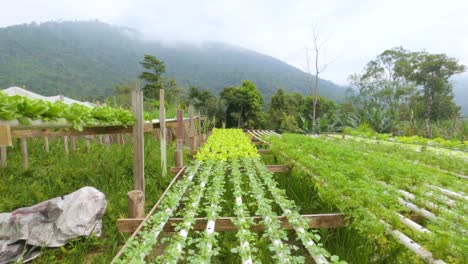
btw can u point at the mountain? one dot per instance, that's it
(87, 59)
(460, 90)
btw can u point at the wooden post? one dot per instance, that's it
(65, 144)
(73, 144)
(162, 131)
(179, 158)
(88, 144)
(3, 153)
(136, 202)
(107, 141)
(24, 152)
(192, 130)
(138, 142)
(46, 144)
(199, 128)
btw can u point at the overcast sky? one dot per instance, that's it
(356, 31)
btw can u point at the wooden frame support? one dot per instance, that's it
(270, 168)
(263, 151)
(226, 224)
(162, 132)
(138, 142)
(178, 153)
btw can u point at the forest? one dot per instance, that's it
(400, 92)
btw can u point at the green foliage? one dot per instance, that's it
(244, 105)
(351, 179)
(54, 174)
(400, 85)
(226, 144)
(24, 110)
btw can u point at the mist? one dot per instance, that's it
(355, 31)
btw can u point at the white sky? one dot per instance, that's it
(356, 31)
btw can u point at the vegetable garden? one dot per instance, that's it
(386, 195)
(335, 199)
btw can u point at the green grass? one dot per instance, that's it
(53, 174)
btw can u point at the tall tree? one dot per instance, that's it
(244, 105)
(155, 68)
(382, 90)
(430, 72)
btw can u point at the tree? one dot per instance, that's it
(431, 73)
(122, 96)
(244, 105)
(318, 69)
(153, 76)
(382, 92)
(199, 98)
(284, 111)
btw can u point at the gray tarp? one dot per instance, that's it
(51, 223)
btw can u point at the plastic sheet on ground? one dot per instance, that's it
(51, 223)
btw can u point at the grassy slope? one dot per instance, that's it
(53, 174)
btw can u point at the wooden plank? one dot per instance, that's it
(5, 136)
(225, 224)
(270, 168)
(138, 142)
(43, 132)
(278, 168)
(163, 133)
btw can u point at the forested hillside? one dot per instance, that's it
(87, 59)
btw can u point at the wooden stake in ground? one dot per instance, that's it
(179, 161)
(46, 144)
(65, 144)
(73, 144)
(136, 201)
(3, 150)
(138, 142)
(24, 152)
(88, 144)
(192, 130)
(107, 141)
(162, 131)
